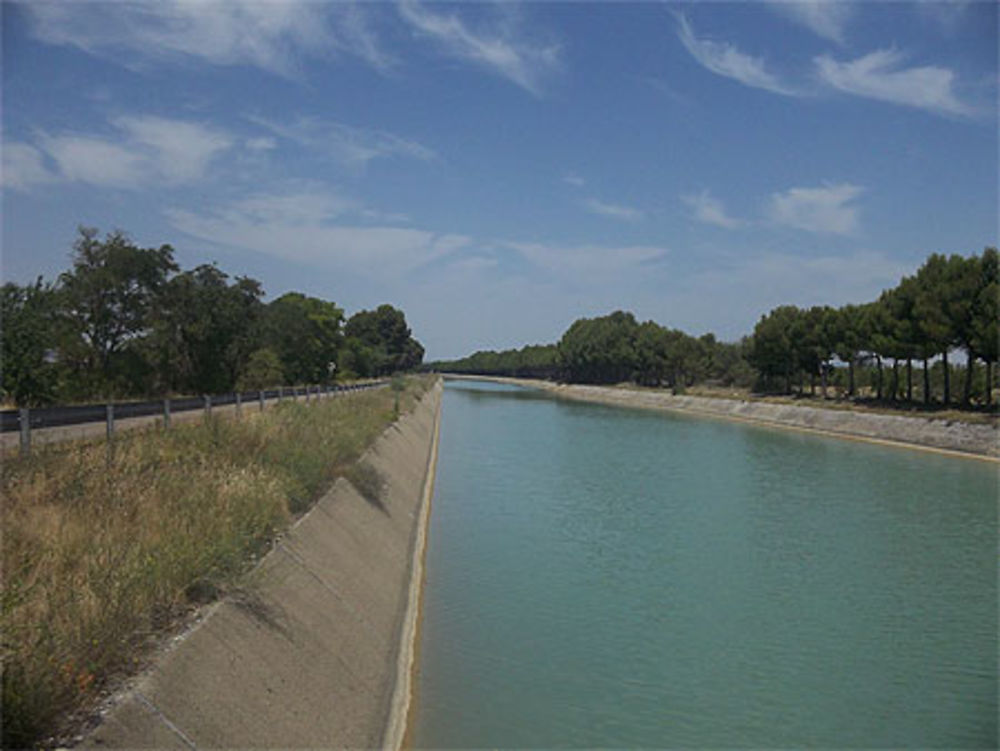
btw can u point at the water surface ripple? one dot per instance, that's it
(600, 577)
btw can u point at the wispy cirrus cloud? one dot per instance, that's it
(879, 75)
(829, 209)
(710, 210)
(613, 210)
(344, 143)
(273, 36)
(827, 18)
(317, 227)
(726, 60)
(144, 150)
(571, 178)
(502, 50)
(587, 262)
(24, 167)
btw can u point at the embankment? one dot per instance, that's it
(315, 650)
(969, 439)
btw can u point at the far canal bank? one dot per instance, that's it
(971, 440)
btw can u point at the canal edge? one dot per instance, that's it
(609, 396)
(399, 725)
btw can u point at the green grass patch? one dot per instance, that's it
(104, 552)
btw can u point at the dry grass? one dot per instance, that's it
(103, 551)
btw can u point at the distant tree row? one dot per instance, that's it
(616, 348)
(950, 304)
(126, 321)
(532, 361)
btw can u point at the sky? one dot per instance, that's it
(499, 170)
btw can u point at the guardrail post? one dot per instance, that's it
(24, 418)
(260, 396)
(208, 406)
(238, 406)
(307, 393)
(166, 413)
(110, 419)
(279, 394)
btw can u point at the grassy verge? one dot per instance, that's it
(104, 551)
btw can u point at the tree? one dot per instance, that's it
(205, 330)
(652, 344)
(985, 333)
(107, 300)
(964, 279)
(772, 351)
(812, 337)
(848, 338)
(931, 309)
(686, 358)
(600, 350)
(305, 332)
(262, 370)
(28, 320)
(384, 331)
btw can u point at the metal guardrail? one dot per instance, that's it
(25, 420)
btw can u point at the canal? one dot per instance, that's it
(605, 577)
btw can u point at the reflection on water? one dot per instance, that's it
(607, 577)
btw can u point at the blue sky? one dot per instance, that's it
(498, 170)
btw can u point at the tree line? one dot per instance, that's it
(949, 304)
(616, 348)
(126, 321)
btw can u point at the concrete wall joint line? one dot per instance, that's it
(165, 720)
(297, 559)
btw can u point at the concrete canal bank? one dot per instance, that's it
(316, 650)
(978, 440)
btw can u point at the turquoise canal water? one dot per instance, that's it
(604, 577)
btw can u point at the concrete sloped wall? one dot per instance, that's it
(949, 436)
(309, 654)
(945, 435)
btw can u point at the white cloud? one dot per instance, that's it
(318, 228)
(710, 210)
(523, 62)
(150, 150)
(827, 209)
(571, 178)
(590, 262)
(877, 76)
(321, 229)
(612, 210)
(726, 60)
(263, 143)
(96, 161)
(180, 151)
(24, 166)
(273, 36)
(827, 18)
(344, 143)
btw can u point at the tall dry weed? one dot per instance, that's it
(103, 550)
